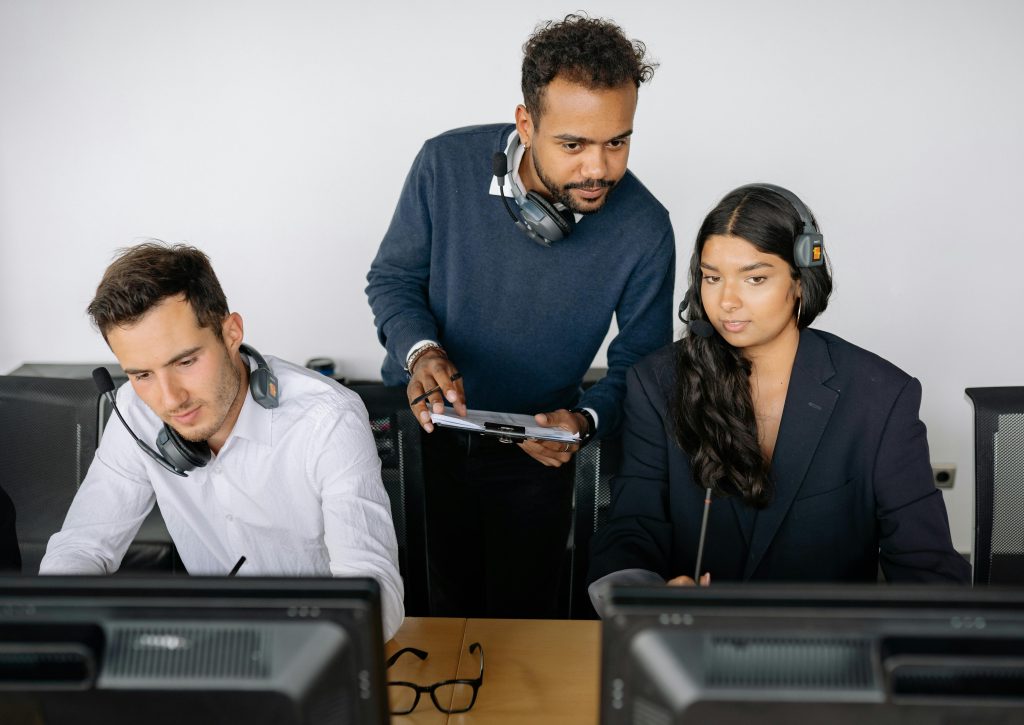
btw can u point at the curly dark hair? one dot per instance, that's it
(712, 410)
(588, 51)
(142, 276)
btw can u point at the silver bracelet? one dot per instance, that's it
(417, 353)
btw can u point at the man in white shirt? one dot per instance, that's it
(292, 483)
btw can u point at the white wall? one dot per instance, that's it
(276, 136)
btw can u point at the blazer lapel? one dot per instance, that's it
(809, 405)
(745, 517)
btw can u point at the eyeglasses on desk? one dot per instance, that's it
(449, 696)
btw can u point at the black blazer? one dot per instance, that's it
(853, 482)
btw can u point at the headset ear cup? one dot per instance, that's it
(182, 454)
(263, 387)
(564, 221)
(808, 250)
(262, 381)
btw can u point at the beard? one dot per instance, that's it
(561, 195)
(226, 391)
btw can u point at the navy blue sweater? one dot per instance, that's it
(520, 321)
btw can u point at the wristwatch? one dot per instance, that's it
(591, 425)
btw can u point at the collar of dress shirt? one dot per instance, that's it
(516, 179)
(254, 421)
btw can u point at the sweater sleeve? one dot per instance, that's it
(399, 275)
(644, 318)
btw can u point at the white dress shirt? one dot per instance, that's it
(296, 490)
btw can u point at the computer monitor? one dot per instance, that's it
(231, 651)
(747, 653)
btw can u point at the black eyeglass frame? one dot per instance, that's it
(475, 683)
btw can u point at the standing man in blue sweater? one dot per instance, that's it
(520, 310)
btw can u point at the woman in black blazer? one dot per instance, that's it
(812, 448)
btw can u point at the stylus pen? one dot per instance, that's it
(237, 566)
(703, 531)
(420, 398)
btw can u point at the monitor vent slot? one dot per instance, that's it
(45, 665)
(743, 662)
(187, 652)
(646, 712)
(958, 680)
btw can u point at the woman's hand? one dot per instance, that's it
(685, 581)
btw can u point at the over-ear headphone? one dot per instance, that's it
(177, 454)
(542, 221)
(809, 245)
(262, 381)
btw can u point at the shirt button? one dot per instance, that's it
(229, 517)
(216, 469)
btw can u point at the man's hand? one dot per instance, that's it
(553, 453)
(433, 371)
(685, 581)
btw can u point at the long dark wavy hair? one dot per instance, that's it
(712, 409)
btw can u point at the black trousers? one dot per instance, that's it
(497, 527)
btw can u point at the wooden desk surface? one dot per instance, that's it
(441, 638)
(535, 671)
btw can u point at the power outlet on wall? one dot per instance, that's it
(944, 474)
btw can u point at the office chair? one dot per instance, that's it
(49, 429)
(397, 435)
(595, 466)
(998, 485)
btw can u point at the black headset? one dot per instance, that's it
(541, 221)
(808, 250)
(177, 454)
(809, 245)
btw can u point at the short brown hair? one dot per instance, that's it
(143, 275)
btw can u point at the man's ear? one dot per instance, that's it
(232, 331)
(524, 125)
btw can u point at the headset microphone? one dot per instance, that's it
(703, 535)
(700, 328)
(499, 167)
(101, 376)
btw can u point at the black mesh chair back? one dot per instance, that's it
(998, 485)
(49, 431)
(596, 463)
(397, 435)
